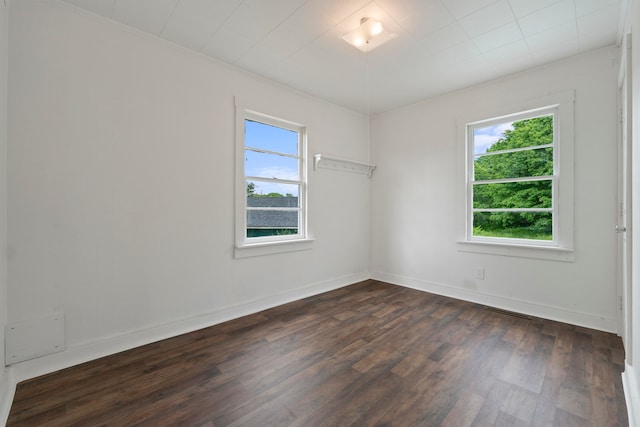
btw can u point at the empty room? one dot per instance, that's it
(295, 212)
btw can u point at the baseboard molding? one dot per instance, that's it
(631, 394)
(83, 353)
(7, 391)
(505, 303)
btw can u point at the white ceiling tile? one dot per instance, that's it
(556, 52)
(309, 19)
(443, 39)
(449, 77)
(314, 56)
(260, 60)
(433, 17)
(147, 15)
(301, 28)
(525, 7)
(457, 54)
(597, 40)
(339, 10)
(461, 8)
(245, 22)
(255, 19)
(512, 51)
(101, 7)
(270, 14)
(401, 10)
(565, 33)
(547, 18)
(418, 17)
(228, 47)
(511, 65)
(282, 43)
(488, 18)
(585, 7)
(600, 20)
(499, 37)
(599, 28)
(194, 21)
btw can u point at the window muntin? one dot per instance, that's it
(273, 170)
(512, 180)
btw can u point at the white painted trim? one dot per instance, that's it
(546, 312)
(550, 253)
(75, 355)
(248, 247)
(631, 395)
(7, 392)
(268, 248)
(563, 108)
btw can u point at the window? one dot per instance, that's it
(512, 176)
(271, 181)
(516, 192)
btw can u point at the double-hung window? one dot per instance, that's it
(517, 192)
(513, 178)
(272, 190)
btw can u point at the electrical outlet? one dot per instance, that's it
(480, 273)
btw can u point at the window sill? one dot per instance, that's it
(552, 253)
(268, 248)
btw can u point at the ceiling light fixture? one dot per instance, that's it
(369, 35)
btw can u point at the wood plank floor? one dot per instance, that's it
(368, 354)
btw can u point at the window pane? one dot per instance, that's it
(262, 223)
(508, 135)
(519, 164)
(272, 138)
(527, 194)
(272, 190)
(514, 225)
(270, 165)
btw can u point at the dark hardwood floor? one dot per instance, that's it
(368, 354)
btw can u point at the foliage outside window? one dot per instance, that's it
(274, 179)
(513, 179)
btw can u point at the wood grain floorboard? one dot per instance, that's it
(370, 354)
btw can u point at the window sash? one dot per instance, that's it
(471, 182)
(300, 182)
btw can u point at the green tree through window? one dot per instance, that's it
(513, 182)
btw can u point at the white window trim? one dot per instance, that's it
(562, 247)
(257, 246)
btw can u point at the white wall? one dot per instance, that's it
(120, 184)
(4, 29)
(414, 199)
(631, 376)
(6, 383)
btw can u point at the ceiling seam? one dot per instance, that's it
(175, 6)
(217, 30)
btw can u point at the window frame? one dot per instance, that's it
(263, 245)
(561, 246)
(554, 177)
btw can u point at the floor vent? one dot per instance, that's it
(508, 313)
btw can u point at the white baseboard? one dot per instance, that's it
(7, 391)
(84, 353)
(632, 394)
(505, 303)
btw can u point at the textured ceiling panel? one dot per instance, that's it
(442, 45)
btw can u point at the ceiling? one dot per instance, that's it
(442, 45)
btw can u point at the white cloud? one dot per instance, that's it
(484, 138)
(278, 172)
